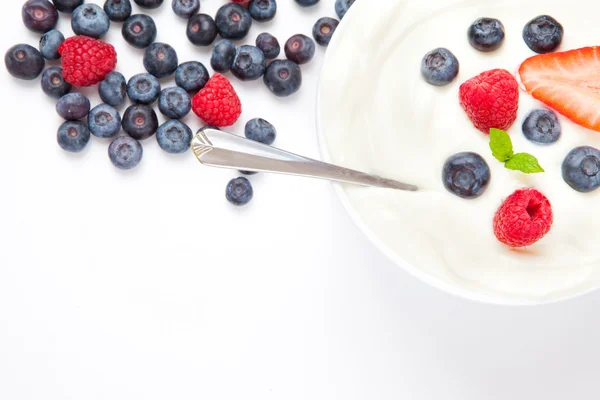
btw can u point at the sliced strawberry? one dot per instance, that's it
(568, 82)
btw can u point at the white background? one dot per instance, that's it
(147, 284)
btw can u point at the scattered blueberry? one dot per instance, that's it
(342, 7)
(262, 10)
(239, 191)
(104, 121)
(160, 60)
(67, 6)
(233, 21)
(113, 89)
(118, 10)
(324, 29)
(283, 77)
(307, 3)
(53, 83)
(140, 121)
(139, 30)
(223, 54)
(149, 3)
(73, 106)
(201, 30)
(90, 20)
(143, 88)
(466, 175)
(24, 62)
(73, 136)
(174, 103)
(439, 67)
(185, 8)
(543, 34)
(269, 45)
(39, 15)
(259, 130)
(249, 63)
(486, 34)
(125, 152)
(581, 169)
(248, 172)
(49, 44)
(299, 49)
(174, 137)
(191, 76)
(542, 126)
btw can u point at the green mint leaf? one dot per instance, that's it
(525, 163)
(501, 145)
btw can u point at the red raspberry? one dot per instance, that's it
(86, 61)
(491, 100)
(524, 218)
(217, 103)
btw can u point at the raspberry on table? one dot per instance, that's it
(86, 61)
(217, 104)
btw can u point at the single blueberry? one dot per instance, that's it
(174, 137)
(223, 54)
(24, 62)
(324, 29)
(67, 6)
(118, 10)
(439, 67)
(49, 44)
(143, 88)
(300, 49)
(283, 78)
(581, 169)
(543, 34)
(191, 76)
(259, 130)
(201, 30)
(233, 21)
(174, 103)
(139, 30)
(54, 84)
(307, 3)
(486, 34)
(262, 10)
(73, 106)
(140, 121)
(269, 45)
(239, 191)
(125, 152)
(104, 121)
(39, 15)
(90, 20)
(466, 175)
(248, 172)
(73, 136)
(342, 7)
(249, 63)
(160, 60)
(113, 89)
(542, 126)
(149, 3)
(185, 8)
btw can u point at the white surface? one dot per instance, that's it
(148, 285)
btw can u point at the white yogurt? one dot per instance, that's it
(378, 115)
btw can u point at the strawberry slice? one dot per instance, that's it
(568, 82)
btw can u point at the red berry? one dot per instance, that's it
(217, 103)
(524, 218)
(86, 61)
(491, 100)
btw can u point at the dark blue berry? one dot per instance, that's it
(466, 175)
(486, 34)
(259, 130)
(140, 121)
(67, 6)
(269, 45)
(49, 44)
(125, 152)
(185, 8)
(104, 121)
(249, 63)
(283, 77)
(223, 54)
(262, 10)
(73, 136)
(113, 89)
(299, 49)
(149, 3)
(24, 62)
(542, 126)
(143, 88)
(54, 84)
(307, 3)
(191, 76)
(160, 60)
(324, 29)
(581, 169)
(174, 137)
(39, 15)
(90, 20)
(239, 191)
(118, 10)
(139, 31)
(233, 21)
(174, 103)
(543, 34)
(73, 106)
(248, 172)
(342, 7)
(439, 67)
(201, 30)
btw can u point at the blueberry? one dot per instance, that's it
(125, 152)
(233, 21)
(139, 30)
(160, 60)
(53, 83)
(73, 136)
(149, 3)
(342, 7)
(104, 121)
(249, 63)
(24, 62)
(67, 6)
(248, 172)
(269, 45)
(581, 169)
(542, 126)
(299, 49)
(543, 34)
(49, 44)
(191, 76)
(262, 10)
(283, 77)
(307, 3)
(324, 29)
(39, 15)
(118, 10)
(201, 30)
(439, 67)
(174, 103)
(73, 106)
(239, 191)
(185, 8)
(143, 88)
(486, 34)
(223, 54)
(259, 130)
(113, 89)
(90, 20)
(466, 175)
(140, 121)
(174, 137)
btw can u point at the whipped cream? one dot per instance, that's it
(377, 114)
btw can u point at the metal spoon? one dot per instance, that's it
(225, 150)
